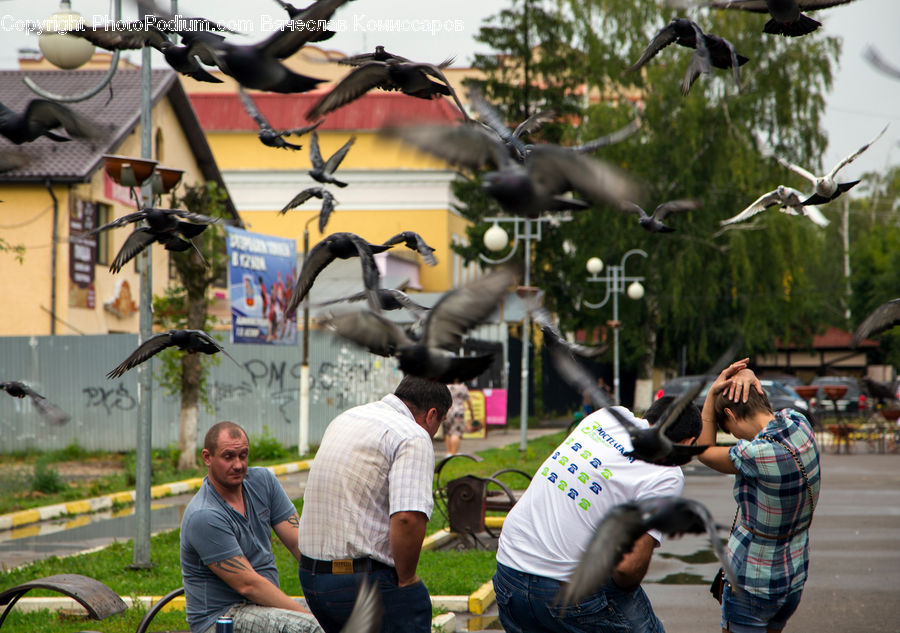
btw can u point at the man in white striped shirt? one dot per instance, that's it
(366, 506)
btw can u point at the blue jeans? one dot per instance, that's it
(331, 597)
(744, 612)
(527, 604)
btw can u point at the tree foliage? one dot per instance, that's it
(704, 285)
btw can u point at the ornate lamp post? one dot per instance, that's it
(496, 239)
(615, 280)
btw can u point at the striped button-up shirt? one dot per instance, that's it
(769, 546)
(374, 461)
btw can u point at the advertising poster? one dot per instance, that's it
(82, 255)
(495, 406)
(261, 273)
(478, 408)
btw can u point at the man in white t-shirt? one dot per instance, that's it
(547, 531)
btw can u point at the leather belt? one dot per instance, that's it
(341, 565)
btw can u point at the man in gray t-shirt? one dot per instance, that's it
(226, 542)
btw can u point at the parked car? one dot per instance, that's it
(780, 395)
(854, 402)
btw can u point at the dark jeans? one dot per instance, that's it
(331, 597)
(527, 604)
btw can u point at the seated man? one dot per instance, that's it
(547, 531)
(226, 543)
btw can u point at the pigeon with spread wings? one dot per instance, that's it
(339, 246)
(654, 223)
(267, 134)
(434, 355)
(789, 201)
(39, 118)
(388, 298)
(323, 194)
(49, 411)
(323, 170)
(787, 18)
(415, 242)
(528, 188)
(190, 341)
(882, 318)
(827, 188)
(624, 524)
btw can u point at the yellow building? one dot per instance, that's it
(63, 286)
(391, 188)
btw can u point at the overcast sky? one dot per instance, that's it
(860, 104)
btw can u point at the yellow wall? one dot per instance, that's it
(27, 213)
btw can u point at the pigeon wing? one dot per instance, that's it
(759, 205)
(139, 239)
(315, 154)
(149, 348)
(816, 217)
(555, 170)
(49, 411)
(878, 61)
(665, 36)
(49, 115)
(210, 343)
(630, 207)
(702, 513)
(797, 169)
(465, 146)
(700, 63)
(301, 197)
(194, 217)
(852, 157)
(357, 83)
(137, 216)
(613, 538)
(461, 309)
(368, 329)
(318, 258)
(367, 610)
(252, 110)
(674, 206)
(535, 122)
(328, 202)
(884, 317)
(610, 139)
(335, 159)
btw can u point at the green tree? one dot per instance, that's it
(17, 250)
(186, 306)
(703, 285)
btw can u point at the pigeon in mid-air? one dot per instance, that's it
(49, 411)
(388, 298)
(190, 341)
(39, 118)
(787, 18)
(624, 524)
(368, 609)
(875, 58)
(380, 55)
(654, 223)
(710, 50)
(267, 135)
(827, 188)
(163, 226)
(555, 341)
(528, 188)
(882, 318)
(410, 78)
(320, 192)
(323, 170)
(789, 201)
(338, 246)
(434, 356)
(415, 242)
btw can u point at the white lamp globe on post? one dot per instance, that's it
(61, 49)
(594, 265)
(635, 291)
(496, 238)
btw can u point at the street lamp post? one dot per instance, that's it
(496, 239)
(303, 440)
(615, 280)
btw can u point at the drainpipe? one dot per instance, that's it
(55, 237)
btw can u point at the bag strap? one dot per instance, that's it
(793, 453)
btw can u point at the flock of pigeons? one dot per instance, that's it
(525, 180)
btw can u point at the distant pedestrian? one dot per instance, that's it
(455, 423)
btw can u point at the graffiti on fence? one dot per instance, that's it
(118, 399)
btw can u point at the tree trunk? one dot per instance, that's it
(190, 395)
(643, 389)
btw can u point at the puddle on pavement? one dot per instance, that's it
(697, 558)
(683, 578)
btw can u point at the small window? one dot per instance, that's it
(103, 216)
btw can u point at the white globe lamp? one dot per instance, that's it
(61, 49)
(495, 238)
(635, 290)
(594, 265)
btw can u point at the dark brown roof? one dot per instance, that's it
(116, 108)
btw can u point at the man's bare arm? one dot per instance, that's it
(287, 532)
(238, 574)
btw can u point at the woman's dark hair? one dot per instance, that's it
(421, 394)
(687, 424)
(756, 403)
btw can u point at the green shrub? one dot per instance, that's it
(46, 478)
(265, 447)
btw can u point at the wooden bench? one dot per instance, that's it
(99, 600)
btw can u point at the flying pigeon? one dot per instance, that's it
(267, 135)
(320, 192)
(388, 298)
(163, 226)
(410, 78)
(380, 55)
(342, 246)
(882, 318)
(654, 223)
(434, 356)
(788, 200)
(875, 58)
(302, 15)
(528, 188)
(368, 609)
(415, 242)
(323, 170)
(624, 524)
(49, 411)
(39, 118)
(190, 341)
(710, 50)
(555, 341)
(787, 18)
(826, 187)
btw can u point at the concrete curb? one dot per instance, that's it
(106, 502)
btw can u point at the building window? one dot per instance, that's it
(103, 216)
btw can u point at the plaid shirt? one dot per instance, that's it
(772, 496)
(374, 461)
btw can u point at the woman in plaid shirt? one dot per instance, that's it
(776, 466)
